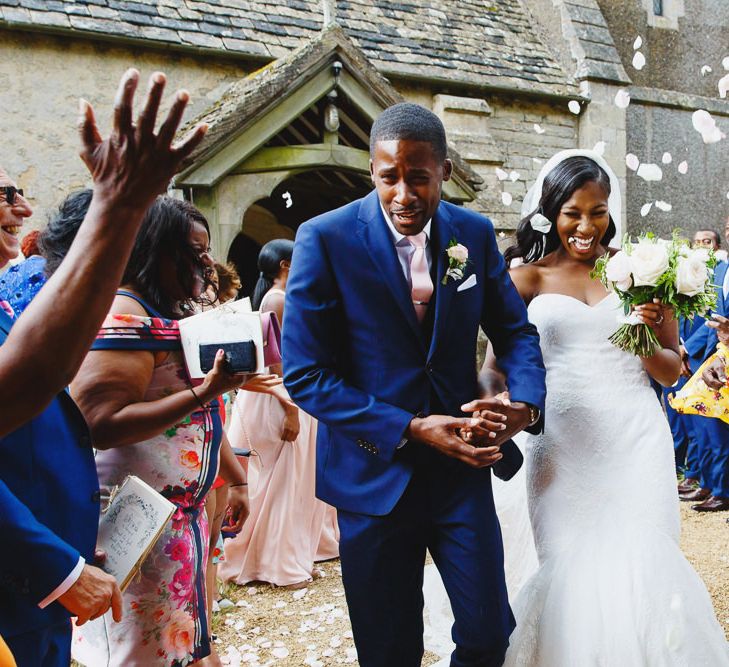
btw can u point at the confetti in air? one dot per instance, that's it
(622, 99)
(646, 208)
(638, 60)
(650, 172)
(637, 43)
(683, 167)
(286, 196)
(599, 147)
(705, 125)
(705, 69)
(514, 176)
(574, 107)
(538, 128)
(664, 206)
(506, 198)
(632, 161)
(725, 63)
(666, 159)
(501, 174)
(723, 86)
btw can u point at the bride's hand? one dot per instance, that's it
(654, 314)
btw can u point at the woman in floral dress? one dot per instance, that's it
(147, 420)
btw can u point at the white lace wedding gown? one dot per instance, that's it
(613, 588)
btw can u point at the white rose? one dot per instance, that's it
(458, 252)
(618, 271)
(648, 262)
(691, 274)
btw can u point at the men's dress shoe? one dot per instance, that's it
(713, 504)
(696, 494)
(689, 484)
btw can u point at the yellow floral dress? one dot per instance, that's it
(695, 398)
(165, 621)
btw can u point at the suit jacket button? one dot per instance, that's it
(96, 497)
(429, 368)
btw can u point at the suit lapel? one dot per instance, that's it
(719, 278)
(377, 238)
(442, 231)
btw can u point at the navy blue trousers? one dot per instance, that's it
(49, 647)
(447, 509)
(687, 436)
(714, 456)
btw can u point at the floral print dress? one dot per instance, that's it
(165, 619)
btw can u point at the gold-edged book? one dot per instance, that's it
(130, 526)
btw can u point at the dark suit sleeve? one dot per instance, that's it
(696, 342)
(33, 560)
(309, 346)
(514, 339)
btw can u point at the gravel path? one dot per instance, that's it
(273, 626)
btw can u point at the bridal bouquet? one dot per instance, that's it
(652, 268)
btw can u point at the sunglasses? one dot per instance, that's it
(10, 192)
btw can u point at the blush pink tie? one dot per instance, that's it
(421, 285)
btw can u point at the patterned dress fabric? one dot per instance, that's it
(165, 621)
(21, 282)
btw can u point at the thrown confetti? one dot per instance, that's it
(514, 176)
(705, 69)
(638, 60)
(622, 99)
(667, 158)
(650, 172)
(599, 147)
(723, 86)
(574, 107)
(539, 129)
(632, 161)
(506, 198)
(705, 125)
(663, 206)
(725, 63)
(683, 167)
(637, 43)
(501, 174)
(288, 199)
(646, 208)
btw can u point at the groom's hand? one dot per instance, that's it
(443, 433)
(503, 419)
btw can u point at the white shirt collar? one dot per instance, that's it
(397, 236)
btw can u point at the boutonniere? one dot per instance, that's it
(457, 261)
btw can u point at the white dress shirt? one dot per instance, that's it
(69, 581)
(404, 248)
(725, 286)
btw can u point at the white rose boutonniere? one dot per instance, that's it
(457, 261)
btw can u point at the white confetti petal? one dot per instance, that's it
(725, 63)
(252, 590)
(683, 167)
(723, 86)
(300, 593)
(667, 158)
(727, 195)
(664, 206)
(638, 60)
(650, 172)
(599, 147)
(280, 604)
(574, 107)
(335, 642)
(536, 160)
(632, 161)
(706, 126)
(705, 69)
(622, 99)
(501, 174)
(506, 198)
(539, 129)
(514, 176)
(280, 653)
(239, 625)
(637, 43)
(328, 653)
(645, 209)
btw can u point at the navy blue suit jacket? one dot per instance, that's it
(356, 358)
(49, 510)
(722, 306)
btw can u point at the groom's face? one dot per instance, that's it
(408, 177)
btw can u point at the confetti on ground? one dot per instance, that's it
(705, 125)
(538, 128)
(506, 198)
(574, 107)
(650, 172)
(622, 99)
(632, 161)
(638, 60)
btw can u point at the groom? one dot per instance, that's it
(379, 345)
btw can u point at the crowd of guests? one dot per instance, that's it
(103, 392)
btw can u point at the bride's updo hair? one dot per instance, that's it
(559, 185)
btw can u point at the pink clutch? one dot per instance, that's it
(271, 338)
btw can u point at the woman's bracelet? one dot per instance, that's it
(238, 484)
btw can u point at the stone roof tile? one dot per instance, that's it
(469, 41)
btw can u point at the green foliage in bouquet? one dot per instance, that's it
(652, 268)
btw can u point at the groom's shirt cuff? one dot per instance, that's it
(69, 581)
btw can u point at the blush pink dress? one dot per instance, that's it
(288, 528)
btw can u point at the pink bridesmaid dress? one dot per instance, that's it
(288, 528)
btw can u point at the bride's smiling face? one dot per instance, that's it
(583, 220)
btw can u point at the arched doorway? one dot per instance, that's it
(295, 200)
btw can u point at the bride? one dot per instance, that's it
(612, 588)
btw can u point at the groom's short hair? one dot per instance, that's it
(412, 122)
